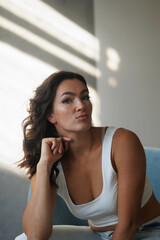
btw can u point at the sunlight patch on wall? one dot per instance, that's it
(112, 82)
(50, 47)
(55, 24)
(113, 59)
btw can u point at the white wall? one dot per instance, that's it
(129, 86)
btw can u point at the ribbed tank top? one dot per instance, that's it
(102, 211)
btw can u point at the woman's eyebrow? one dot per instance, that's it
(84, 91)
(73, 94)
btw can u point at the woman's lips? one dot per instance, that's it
(82, 117)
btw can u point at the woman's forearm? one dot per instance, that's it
(124, 233)
(38, 216)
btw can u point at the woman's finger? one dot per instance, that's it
(55, 151)
(53, 144)
(66, 139)
(61, 148)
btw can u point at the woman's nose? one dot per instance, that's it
(80, 105)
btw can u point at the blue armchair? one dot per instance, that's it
(62, 216)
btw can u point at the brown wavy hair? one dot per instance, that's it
(36, 126)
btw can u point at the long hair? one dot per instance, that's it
(36, 126)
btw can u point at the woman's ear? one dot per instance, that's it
(51, 118)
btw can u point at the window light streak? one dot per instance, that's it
(112, 82)
(113, 59)
(50, 48)
(52, 22)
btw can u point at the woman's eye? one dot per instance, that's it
(67, 100)
(86, 97)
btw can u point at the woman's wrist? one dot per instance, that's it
(44, 168)
(125, 232)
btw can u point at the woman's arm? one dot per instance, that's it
(130, 163)
(38, 215)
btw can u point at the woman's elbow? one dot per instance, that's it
(39, 235)
(128, 229)
(37, 231)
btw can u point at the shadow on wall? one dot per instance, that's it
(13, 199)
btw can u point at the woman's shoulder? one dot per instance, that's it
(123, 135)
(119, 132)
(126, 141)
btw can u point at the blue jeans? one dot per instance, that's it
(147, 232)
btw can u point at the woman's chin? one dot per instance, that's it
(84, 127)
(74, 128)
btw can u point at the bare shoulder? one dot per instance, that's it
(126, 146)
(126, 138)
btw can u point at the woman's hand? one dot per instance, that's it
(52, 149)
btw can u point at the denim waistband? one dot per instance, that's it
(105, 235)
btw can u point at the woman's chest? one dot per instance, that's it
(85, 180)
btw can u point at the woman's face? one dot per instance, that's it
(72, 108)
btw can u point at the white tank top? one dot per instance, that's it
(102, 211)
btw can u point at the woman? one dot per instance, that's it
(100, 172)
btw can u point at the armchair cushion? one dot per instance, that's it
(153, 169)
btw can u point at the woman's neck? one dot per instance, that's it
(81, 143)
